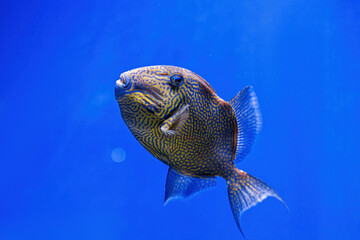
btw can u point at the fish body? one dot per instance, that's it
(178, 117)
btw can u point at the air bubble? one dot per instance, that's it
(118, 155)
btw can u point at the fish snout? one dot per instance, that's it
(121, 85)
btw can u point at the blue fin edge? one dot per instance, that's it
(181, 185)
(249, 120)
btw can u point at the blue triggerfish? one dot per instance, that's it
(177, 116)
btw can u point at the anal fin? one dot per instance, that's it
(179, 185)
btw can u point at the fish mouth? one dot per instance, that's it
(119, 84)
(122, 85)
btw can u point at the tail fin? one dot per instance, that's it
(246, 191)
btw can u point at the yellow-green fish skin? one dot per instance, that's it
(206, 143)
(194, 131)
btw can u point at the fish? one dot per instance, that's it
(179, 119)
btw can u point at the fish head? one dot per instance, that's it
(153, 93)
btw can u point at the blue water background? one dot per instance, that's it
(60, 122)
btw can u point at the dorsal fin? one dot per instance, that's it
(248, 116)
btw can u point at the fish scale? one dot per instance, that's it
(196, 133)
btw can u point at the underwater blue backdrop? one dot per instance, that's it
(60, 122)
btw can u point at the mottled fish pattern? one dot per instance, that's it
(177, 116)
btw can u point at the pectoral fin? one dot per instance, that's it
(176, 121)
(179, 185)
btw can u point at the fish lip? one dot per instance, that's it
(119, 89)
(119, 84)
(122, 85)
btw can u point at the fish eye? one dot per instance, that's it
(176, 80)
